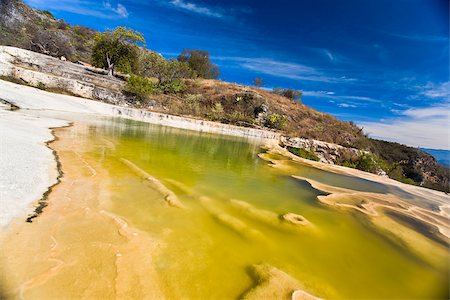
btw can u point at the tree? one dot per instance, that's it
(288, 93)
(117, 49)
(259, 82)
(49, 43)
(200, 62)
(154, 65)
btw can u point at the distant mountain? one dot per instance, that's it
(442, 156)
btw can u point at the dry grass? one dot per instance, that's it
(242, 103)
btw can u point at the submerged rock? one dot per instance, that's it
(295, 219)
(259, 214)
(273, 283)
(169, 195)
(233, 223)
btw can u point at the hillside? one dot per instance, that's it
(28, 28)
(442, 156)
(24, 27)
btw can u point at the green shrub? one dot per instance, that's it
(304, 153)
(237, 117)
(349, 164)
(367, 163)
(216, 112)
(408, 181)
(364, 162)
(140, 87)
(172, 87)
(194, 98)
(193, 102)
(288, 93)
(276, 121)
(48, 14)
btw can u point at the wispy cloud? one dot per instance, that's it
(119, 9)
(437, 112)
(347, 105)
(421, 38)
(104, 10)
(318, 93)
(284, 69)
(417, 127)
(332, 95)
(195, 8)
(433, 90)
(335, 58)
(414, 37)
(329, 55)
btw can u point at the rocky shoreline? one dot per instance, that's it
(28, 167)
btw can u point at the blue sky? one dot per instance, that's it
(383, 64)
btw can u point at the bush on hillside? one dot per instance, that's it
(303, 153)
(288, 93)
(276, 121)
(140, 87)
(217, 112)
(48, 14)
(172, 87)
(194, 102)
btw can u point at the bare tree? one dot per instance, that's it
(258, 82)
(49, 43)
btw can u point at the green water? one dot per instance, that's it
(201, 258)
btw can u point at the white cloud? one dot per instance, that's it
(192, 7)
(284, 69)
(347, 105)
(433, 90)
(417, 127)
(332, 95)
(104, 10)
(325, 94)
(119, 9)
(329, 55)
(402, 105)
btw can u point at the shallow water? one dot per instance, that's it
(203, 257)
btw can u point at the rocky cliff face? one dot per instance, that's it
(433, 175)
(327, 152)
(46, 72)
(413, 163)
